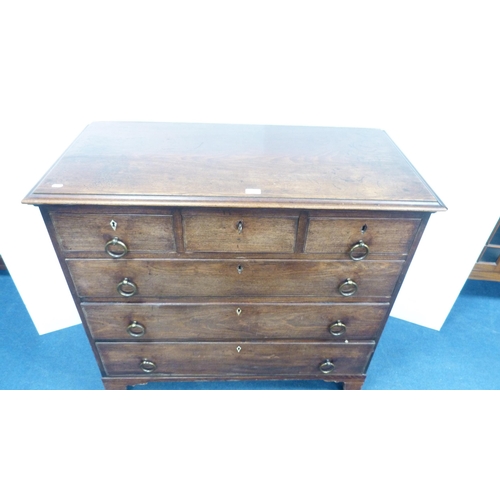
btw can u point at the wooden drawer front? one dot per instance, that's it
(99, 278)
(220, 232)
(91, 232)
(245, 321)
(233, 358)
(339, 235)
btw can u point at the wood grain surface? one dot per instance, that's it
(169, 164)
(96, 278)
(89, 232)
(235, 320)
(239, 232)
(238, 239)
(338, 235)
(225, 359)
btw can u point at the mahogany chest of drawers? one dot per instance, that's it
(203, 252)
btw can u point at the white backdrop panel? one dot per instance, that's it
(424, 72)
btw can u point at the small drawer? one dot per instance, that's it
(234, 320)
(95, 232)
(168, 278)
(238, 232)
(360, 238)
(212, 359)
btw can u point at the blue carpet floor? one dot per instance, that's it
(465, 354)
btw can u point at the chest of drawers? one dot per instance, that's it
(203, 252)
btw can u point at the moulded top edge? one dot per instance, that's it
(234, 202)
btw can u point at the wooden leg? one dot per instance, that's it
(349, 383)
(354, 383)
(110, 384)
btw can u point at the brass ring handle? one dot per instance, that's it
(147, 366)
(359, 251)
(327, 366)
(136, 329)
(119, 243)
(337, 328)
(127, 288)
(348, 288)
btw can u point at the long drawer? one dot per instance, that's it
(235, 320)
(143, 278)
(232, 358)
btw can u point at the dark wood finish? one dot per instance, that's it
(219, 300)
(339, 235)
(484, 269)
(178, 234)
(238, 232)
(353, 383)
(235, 321)
(213, 165)
(215, 359)
(301, 232)
(89, 232)
(98, 278)
(44, 210)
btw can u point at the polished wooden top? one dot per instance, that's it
(267, 166)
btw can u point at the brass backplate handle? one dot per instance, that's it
(115, 242)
